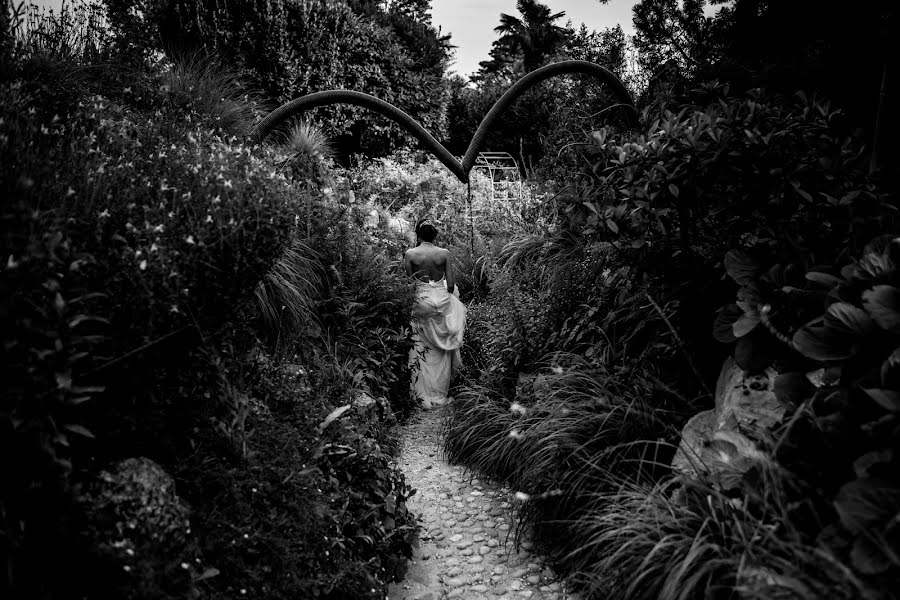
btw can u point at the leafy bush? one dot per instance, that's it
(836, 371)
(289, 48)
(305, 513)
(773, 190)
(135, 232)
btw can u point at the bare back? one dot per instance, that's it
(428, 262)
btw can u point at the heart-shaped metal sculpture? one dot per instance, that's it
(460, 169)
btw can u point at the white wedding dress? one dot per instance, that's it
(438, 323)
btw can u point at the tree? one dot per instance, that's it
(290, 48)
(818, 46)
(535, 35)
(671, 30)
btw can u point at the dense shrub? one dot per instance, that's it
(781, 184)
(136, 228)
(289, 49)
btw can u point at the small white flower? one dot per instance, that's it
(518, 408)
(515, 434)
(143, 265)
(217, 199)
(209, 219)
(184, 565)
(104, 214)
(228, 184)
(190, 239)
(557, 370)
(522, 497)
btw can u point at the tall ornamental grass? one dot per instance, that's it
(681, 540)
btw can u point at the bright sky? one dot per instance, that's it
(472, 22)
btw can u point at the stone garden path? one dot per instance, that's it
(466, 547)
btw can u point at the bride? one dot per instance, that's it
(438, 319)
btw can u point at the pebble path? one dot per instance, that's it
(465, 547)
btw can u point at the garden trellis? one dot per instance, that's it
(503, 171)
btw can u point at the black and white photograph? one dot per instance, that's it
(450, 299)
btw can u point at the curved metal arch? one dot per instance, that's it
(537, 76)
(316, 99)
(460, 169)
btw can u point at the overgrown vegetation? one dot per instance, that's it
(595, 346)
(171, 293)
(205, 343)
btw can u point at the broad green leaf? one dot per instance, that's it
(872, 265)
(866, 503)
(725, 319)
(815, 341)
(870, 554)
(612, 226)
(880, 244)
(792, 388)
(741, 267)
(333, 415)
(887, 399)
(590, 206)
(744, 325)
(846, 318)
(889, 369)
(865, 462)
(823, 278)
(882, 302)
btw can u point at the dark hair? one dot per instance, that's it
(425, 231)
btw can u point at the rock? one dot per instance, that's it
(370, 407)
(371, 219)
(747, 401)
(694, 450)
(719, 441)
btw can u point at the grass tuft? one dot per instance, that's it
(286, 297)
(680, 539)
(208, 86)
